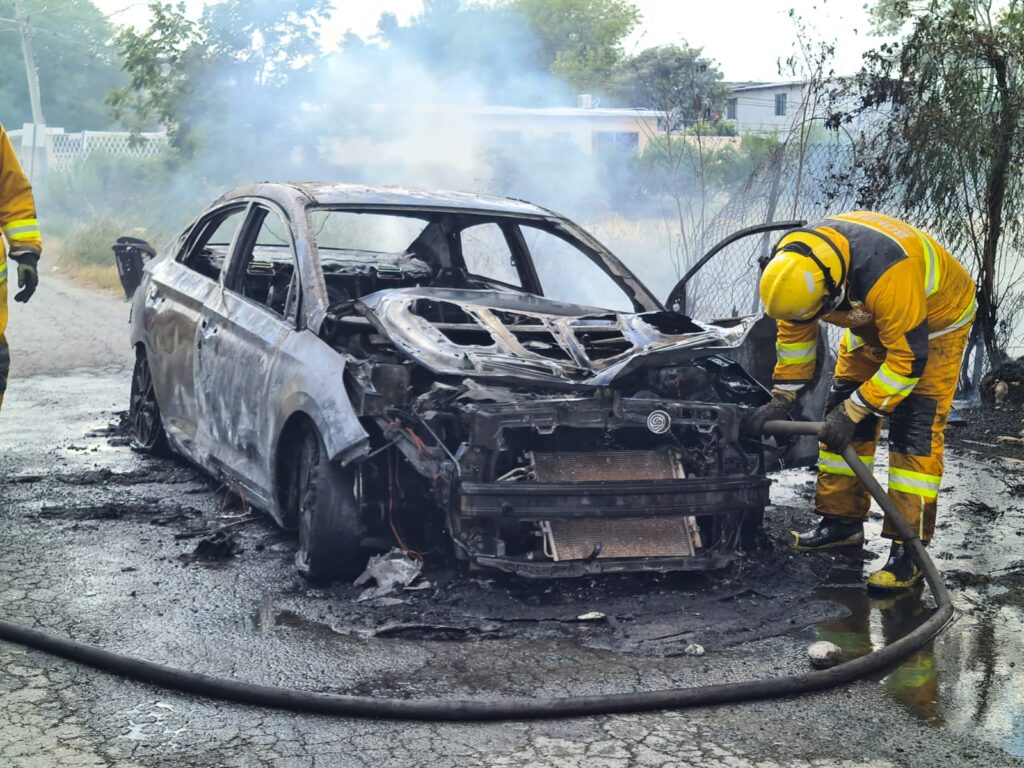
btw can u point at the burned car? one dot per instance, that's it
(444, 372)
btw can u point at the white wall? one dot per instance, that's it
(755, 108)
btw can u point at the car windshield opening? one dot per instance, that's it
(370, 233)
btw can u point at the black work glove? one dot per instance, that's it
(28, 275)
(837, 433)
(778, 408)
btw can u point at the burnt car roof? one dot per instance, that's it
(323, 193)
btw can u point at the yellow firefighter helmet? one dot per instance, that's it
(805, 278)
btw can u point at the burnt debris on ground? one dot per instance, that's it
(769, 591)
(1004, 384)
(988, 431)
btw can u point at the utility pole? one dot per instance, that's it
(30, 65)
(38, 121)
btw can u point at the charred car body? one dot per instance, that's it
(377, 365)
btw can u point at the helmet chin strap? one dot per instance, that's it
(836, 292)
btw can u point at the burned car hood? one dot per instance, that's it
(499, 334)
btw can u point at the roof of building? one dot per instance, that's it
(740, 87)
(498, 110)
(582, 112)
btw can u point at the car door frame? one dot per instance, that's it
(305, 379)
(237, 441)
(170, 346)
(512, 237)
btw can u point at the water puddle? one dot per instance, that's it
(968, 679)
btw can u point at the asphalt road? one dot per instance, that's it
(99, 543)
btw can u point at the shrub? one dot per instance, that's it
(90, 243)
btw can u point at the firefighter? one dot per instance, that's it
(23, 242)
(907, 307)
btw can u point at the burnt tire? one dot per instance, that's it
(147, 425)
(320, 494)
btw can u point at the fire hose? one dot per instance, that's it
(529, 708)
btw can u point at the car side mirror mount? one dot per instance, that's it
(131, 255)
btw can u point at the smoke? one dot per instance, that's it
(437, 104)
(429, 110)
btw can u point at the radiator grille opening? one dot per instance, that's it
(600, 538)
(595, 466)
(620, 538)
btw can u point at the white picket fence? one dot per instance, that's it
(65, 150)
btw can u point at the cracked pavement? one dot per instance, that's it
(120, 582)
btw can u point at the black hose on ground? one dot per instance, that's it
(527, 709)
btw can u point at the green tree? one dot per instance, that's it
(185, 75)
(265, 40)
(944, 141)
(684, 163)
(76, 61)
(163, 62)
(673, 79)
(580, 40)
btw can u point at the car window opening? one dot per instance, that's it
(267, 264)
(206, 250)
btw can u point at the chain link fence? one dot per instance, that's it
(792, 184)
(797, 182)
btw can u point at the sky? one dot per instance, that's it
(746, 37)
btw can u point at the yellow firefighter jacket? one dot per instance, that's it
(17, 208)
(902, 289)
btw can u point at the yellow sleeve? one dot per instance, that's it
(899, 305)
(796, 350)
(17, 207)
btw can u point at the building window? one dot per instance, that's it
(730, 109)
(627, 142)
(780, 104)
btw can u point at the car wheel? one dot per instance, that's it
(328, 514)
(147, 425)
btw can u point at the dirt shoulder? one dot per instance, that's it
(67, 327)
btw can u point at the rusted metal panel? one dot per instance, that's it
(606, 466)
(623, 538)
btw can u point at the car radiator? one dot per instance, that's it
(592, 538)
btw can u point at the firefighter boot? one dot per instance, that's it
(898, 573)
(830, 533)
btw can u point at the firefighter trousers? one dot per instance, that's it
(917, 432)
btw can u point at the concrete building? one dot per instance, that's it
(592, 129)
(770, 108)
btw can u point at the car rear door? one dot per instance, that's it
(242, 333)
(177, 292)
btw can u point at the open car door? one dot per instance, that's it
(757, 355)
